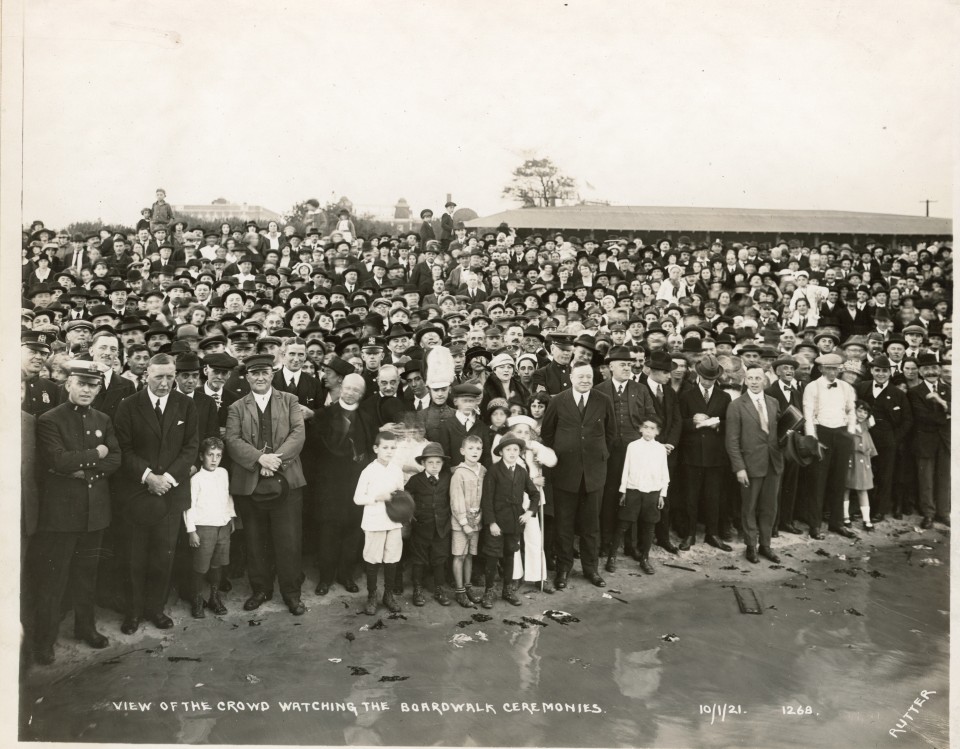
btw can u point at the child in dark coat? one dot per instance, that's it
(501, 505)
(430, 538)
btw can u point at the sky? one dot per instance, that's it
(839, 105)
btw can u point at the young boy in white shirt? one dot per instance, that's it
(209, 523)
(643, 488)
(383, 543)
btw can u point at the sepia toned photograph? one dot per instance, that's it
(555, 374)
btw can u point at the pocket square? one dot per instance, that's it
(180, 422)
(896, 408)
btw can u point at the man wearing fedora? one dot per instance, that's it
(79, 451)
(755, 457)
(829, 414)
(158, 437)
(893, 419)
(264, 437)
(632, 403)
(579, 426)
(931, 408)
(703, 411)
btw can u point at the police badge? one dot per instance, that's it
(46, 396)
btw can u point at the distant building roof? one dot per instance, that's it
(752, 220)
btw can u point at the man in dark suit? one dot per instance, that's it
(188, 383)
(554, 377)
(930, 405)
(755, 457)
(893, 419)
(853, 320)
(79, 451)
(632, 403)
(264, 437)
(158, 436)
(427, 233)
(446, 225)
(421, 277)
(579, 426)
(384, 407)
(345, 435)
(787, 391)
(703, 411)
(666, 403)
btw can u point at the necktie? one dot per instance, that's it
(468, 425)
(706, 395)
(218, 398)
(419, 405)
(432, 480)
(762, 410)
(292, 385)
(620, 391)
(582, 405)
(659, 394)
(158, 412)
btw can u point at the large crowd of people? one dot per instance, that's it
(455, 407)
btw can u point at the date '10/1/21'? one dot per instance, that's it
(721, 712)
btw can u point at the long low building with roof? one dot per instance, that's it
(707, 224)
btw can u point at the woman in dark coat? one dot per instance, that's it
(504, 382)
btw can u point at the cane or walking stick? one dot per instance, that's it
(543, 538)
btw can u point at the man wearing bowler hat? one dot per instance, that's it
(264, 437)
(703, 411)
(931, 407)
(893, 419)
(79, 451)
(157, 433)
(666, 403)
(787, 392)
(632, 403)
(755, 457)
(830, 415)
(579, 426)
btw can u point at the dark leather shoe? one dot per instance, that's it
(668, 546)
(752, 555)
(646, 567)
(926, 523)
(687, 543)
(94, 639)
(130, 625)
(718, 544)
(44, 656)
(295, 606)
(898, 515)
(418, 598)
(877, 517)
(215, 604)
(560, 582)
(767, 553)
(161, 620)
(256, 600)
(943, 520)
(611, 565)
(845, 532)
(595, 579)
(322, 588)
(791, 528)
(817, 536)
(349, 585)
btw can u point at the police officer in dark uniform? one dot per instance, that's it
(40, 394)
(79, 451)
(554, 377)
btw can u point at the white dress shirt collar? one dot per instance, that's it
(288, 375)
(263, 400)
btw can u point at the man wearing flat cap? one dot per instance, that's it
(426, 228)
(932, 409)
(264, 437)
(446, 224)
(79, 451)
(829, 414)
